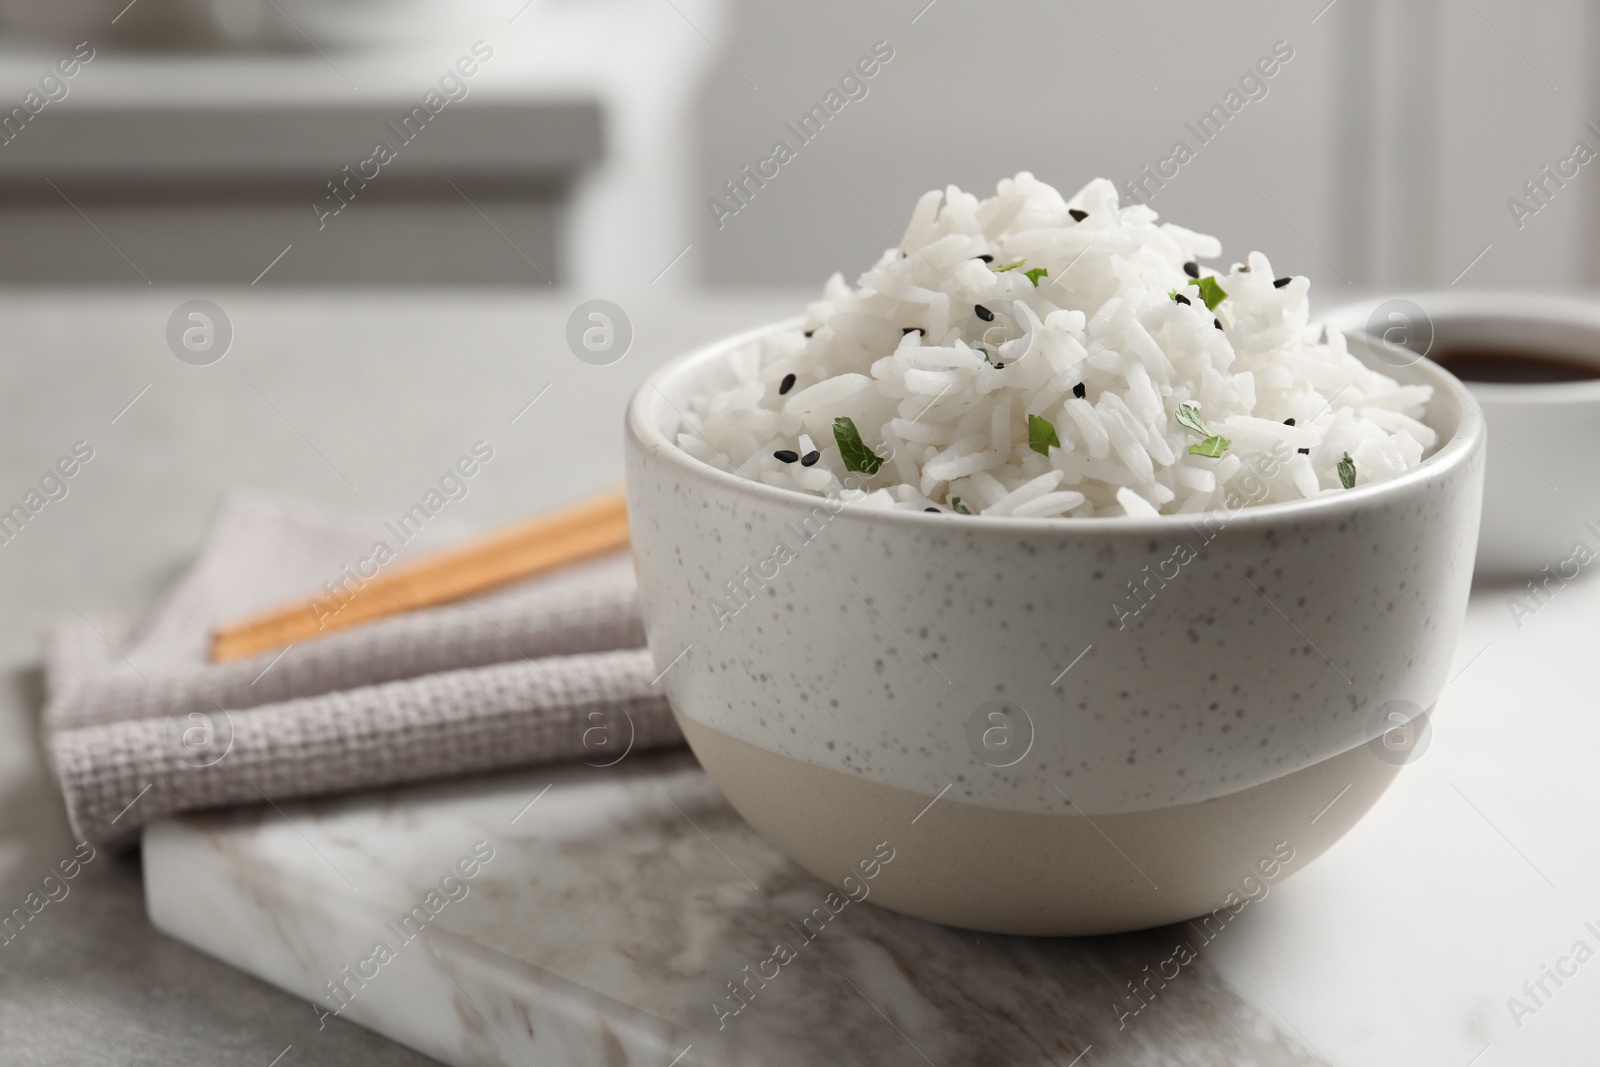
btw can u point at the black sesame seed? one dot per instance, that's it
(786, 385)
(1192, 269)
(999, 366)
(810, 459)
(1281, 282)
(784, 455)
(1180, 298)
(1077, 215)
(983, 313)
(1289, 421)
(1304, 451)
(934, 510)
(1217, 323)
(909, 329)
(1079, 391)
(810, 332)
(987, 258)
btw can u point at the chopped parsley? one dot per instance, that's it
(1189, 416)
(958, 507)
(1041, 435)
(1214, 445)
(856, 455)
(1347, 472)
(985, 351)
(1212, 293)
(1032, 275)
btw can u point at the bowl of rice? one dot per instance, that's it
(1098, 585)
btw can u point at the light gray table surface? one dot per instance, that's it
(355, 400)
(1407, 947)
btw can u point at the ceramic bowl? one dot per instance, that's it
(1542, 487)
(1059, 726)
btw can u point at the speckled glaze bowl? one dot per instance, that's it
(1055, 726)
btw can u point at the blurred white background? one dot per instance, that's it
(1386, 152)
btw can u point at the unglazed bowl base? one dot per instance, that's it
(1011, 872)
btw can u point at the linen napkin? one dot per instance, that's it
(139, 723)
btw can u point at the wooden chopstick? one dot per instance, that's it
(589, 529)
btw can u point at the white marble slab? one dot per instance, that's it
(620, 904)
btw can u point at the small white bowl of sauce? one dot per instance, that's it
(1532, 362)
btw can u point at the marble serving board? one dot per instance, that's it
(626, 915)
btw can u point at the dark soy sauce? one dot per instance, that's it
(1511, 367)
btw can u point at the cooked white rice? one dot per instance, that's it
(946, 405)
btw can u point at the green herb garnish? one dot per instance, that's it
(1212, 447)
(1189, 415)
(856, 455)
(1214, 444)
(1347, 471)
(1035, 274)
(958, 507)
(1212, 293)
(1041, 435)
(1009, 266)
(985, 352)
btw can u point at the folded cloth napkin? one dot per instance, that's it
(140, 724)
